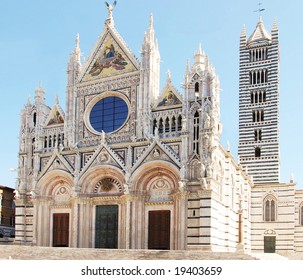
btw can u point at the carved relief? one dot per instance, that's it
(160, 189)
(62, 194)
(156, 153)
(103, 157)
(138, 152)
(108, 185)
(44, 162)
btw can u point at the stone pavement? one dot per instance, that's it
(50, 253)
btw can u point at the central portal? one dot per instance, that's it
(159, 230)
(106, 227)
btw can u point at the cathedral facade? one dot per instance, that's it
(127, 165)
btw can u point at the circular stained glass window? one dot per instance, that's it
(108, 114)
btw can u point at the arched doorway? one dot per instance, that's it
(52, 210)
(269, 241)
(103, 187)
(157, 183)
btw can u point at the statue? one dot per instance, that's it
(110, 8)
(103, 137)
(203, 170)
(182, 186)
(207, 121)
(22, 146)
(156, 133)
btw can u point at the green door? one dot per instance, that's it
(106, 226)
(269, 244)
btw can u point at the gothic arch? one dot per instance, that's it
(155, 174)
(52, 180)
(270, 208)
(102, 179)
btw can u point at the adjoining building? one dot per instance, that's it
(128, 165)
(7, 212)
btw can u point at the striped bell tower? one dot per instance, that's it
(258, 149)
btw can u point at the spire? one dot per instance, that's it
(187, 66)
(291, 178)
(199, 58)
(260, 20)
(39, 91)
(39, 95)
(228, 147)
(29, 100)
(56, 99)
(157, 45)
(151, 31)
(243, 32)
(77, 51)
(200, 49)
(260, 35)
(275, 26)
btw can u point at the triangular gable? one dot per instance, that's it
(169, 97)
(260, 34)
(55, 117)
(56, 162)
(157, 151)
(110, 57)
(103, 155)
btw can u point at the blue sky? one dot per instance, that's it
(36, 38)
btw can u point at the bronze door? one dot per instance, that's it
(159, 230)
(106, 226)
(61, 230)
(269, 244)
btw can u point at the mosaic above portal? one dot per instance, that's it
(110, 59)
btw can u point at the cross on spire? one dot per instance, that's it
(260, 9)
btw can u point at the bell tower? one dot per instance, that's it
(258, 149)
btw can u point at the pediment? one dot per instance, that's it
(104, 155)
(55, 117)
(56, 162)
(169, 97)
(110, 57)
(157, 151)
